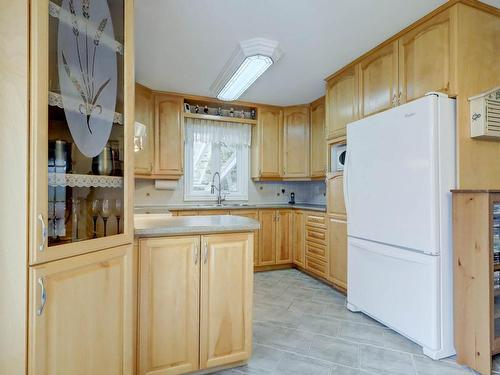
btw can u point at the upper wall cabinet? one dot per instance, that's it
(266, 143)
(426, 57)
(341, 102)
(296, 142)
(378, 80)
(82, 115)
(169, 136)
(144, 114)
(318, 149)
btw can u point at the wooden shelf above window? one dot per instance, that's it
(203, 116)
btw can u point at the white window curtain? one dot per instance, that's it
(218, 132)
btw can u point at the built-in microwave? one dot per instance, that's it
(337, 157)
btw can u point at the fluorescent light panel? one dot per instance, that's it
(247, 73)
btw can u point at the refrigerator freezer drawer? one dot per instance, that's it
(396, 287)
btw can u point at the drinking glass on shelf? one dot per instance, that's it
(118, 211)
(96, 207)
(105, 212)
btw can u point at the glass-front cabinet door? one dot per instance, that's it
(81, 126)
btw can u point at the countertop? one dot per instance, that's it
(186, 225)
(229, 206)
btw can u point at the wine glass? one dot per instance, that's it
(105, 212)
(118, 211)
(96, 207)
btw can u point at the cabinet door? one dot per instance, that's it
(341, 102)
(226, 299)
(298, 238)
(144, 152)
(267, 248)
(337, 248)
(266, 147)
(335, 192)
(378, 80)
(169, 136)
(427, 58)
(284, 236)
(318, 144)
(296, 142)
(169, 305)
(81, 314)
(252, 214)
(81, 128)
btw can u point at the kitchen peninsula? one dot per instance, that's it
(195, 291)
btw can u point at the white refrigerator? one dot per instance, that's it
(399, 171)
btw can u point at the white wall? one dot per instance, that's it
(258, 192)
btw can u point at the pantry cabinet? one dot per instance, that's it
(169, 305)
(169, 136)
(195, 309)
(296, 142)
(341, 102)
(226, 299)
(81, 314)
(317, 147)
(266, 143)
(144, 114)
(427, 57)
(378, 80)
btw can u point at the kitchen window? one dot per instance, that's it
(213, 146)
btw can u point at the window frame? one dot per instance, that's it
(242, 162)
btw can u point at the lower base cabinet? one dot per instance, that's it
(82, 314)
(195, 302)
(337, 239)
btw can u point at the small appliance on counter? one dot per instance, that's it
(292, 198)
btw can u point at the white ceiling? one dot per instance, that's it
(181, 45)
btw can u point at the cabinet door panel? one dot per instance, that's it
(426, 58)
(341, 103)
(299, 238)
(335, 192)
(284, 233)
(378, 80)
(337, 247)
(169, 144)
(267, 146)
(267, 248)
(169, 305)
(318, 145)
(86, 324)
(143, 158)
(226, 299)
(252, 214)
(296, 142)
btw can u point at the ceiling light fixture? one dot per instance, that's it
(250, 60)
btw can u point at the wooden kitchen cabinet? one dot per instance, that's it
(226, 299)
(252, 214)
(81, 314)
(341, 102)
(169, 136)
(169, 291)
(144, 114)
(267, 248)
(337, 248)
(335, 194)
(298, 238)
(378, 80)
(266, 143)
(284, 225)
(427, 57)
(213, 212)
(296, 142)
(318, 147)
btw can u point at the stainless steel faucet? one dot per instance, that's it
(213, 188)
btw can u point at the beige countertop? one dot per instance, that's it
(186, 225)
(230, 206)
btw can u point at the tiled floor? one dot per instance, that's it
(302, 326)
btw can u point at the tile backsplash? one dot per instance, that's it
(258, 192)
